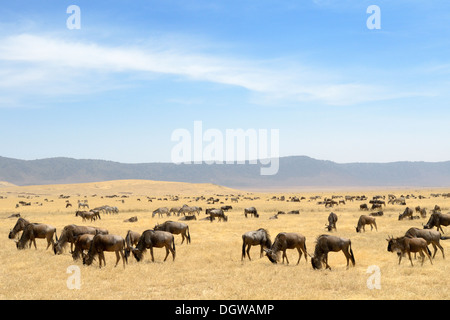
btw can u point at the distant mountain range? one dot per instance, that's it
(294, 171)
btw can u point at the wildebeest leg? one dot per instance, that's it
(262, 250)
(167, 251)
(118, 259)
(182, 237)
(428, 255)
(285, 256)
(409, 256)
(151, 252)
(49, 242)
(248, 252)
(440, 247)
(400, 257)
(101, 257)
(299, 255)
(34, 241)
(325, 259)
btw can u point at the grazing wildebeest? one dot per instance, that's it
(82, 242)
(332, 219)
(157, 239)
(131, 239)
(108, 242)
(36, 230)
(363, 220)
(251, 211)
(326, 243)
(422, 211)
(407, 213)
(376, 206)
(175, 228)
(161, 211)
(377, 214)
(226, 208)
(88, 215)
(363, 206)
(438, 220)
(430, 236)
(259, 237)
(285, 241)
(407, 245)
(69, 234)
(216, 213)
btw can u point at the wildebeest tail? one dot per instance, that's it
(351, 254)
(188, 235)
(173, 243)
(445, 238)
(243, 247)
(125, 256)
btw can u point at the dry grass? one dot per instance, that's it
(210, 267)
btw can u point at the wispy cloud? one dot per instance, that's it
(48, 66)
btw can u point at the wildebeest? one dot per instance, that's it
(407, 245)
(407, 213)
(175, 228)
(283, 241)
(259, 237)
(131, 239)
(69, 234)
(422, 211)
(36, 230)
(161, 211)
(157, 239)
(363, 221)
(216, 213)
(82, 242)
(377, 214)
(332, 219)
(106, 242)
(438, 220)
(251, 211)
(326, 243)
(430, 236)
(363, 206)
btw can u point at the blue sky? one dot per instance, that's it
(136, 71)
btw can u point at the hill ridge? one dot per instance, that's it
(294, 171)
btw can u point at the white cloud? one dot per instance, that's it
(44, 65)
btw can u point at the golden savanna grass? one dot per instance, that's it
(211, 267)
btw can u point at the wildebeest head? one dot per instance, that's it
(138, 254)
(316, 262)
(272, 255)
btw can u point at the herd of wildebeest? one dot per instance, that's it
(88, 242)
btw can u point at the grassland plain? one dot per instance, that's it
(211, 267)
